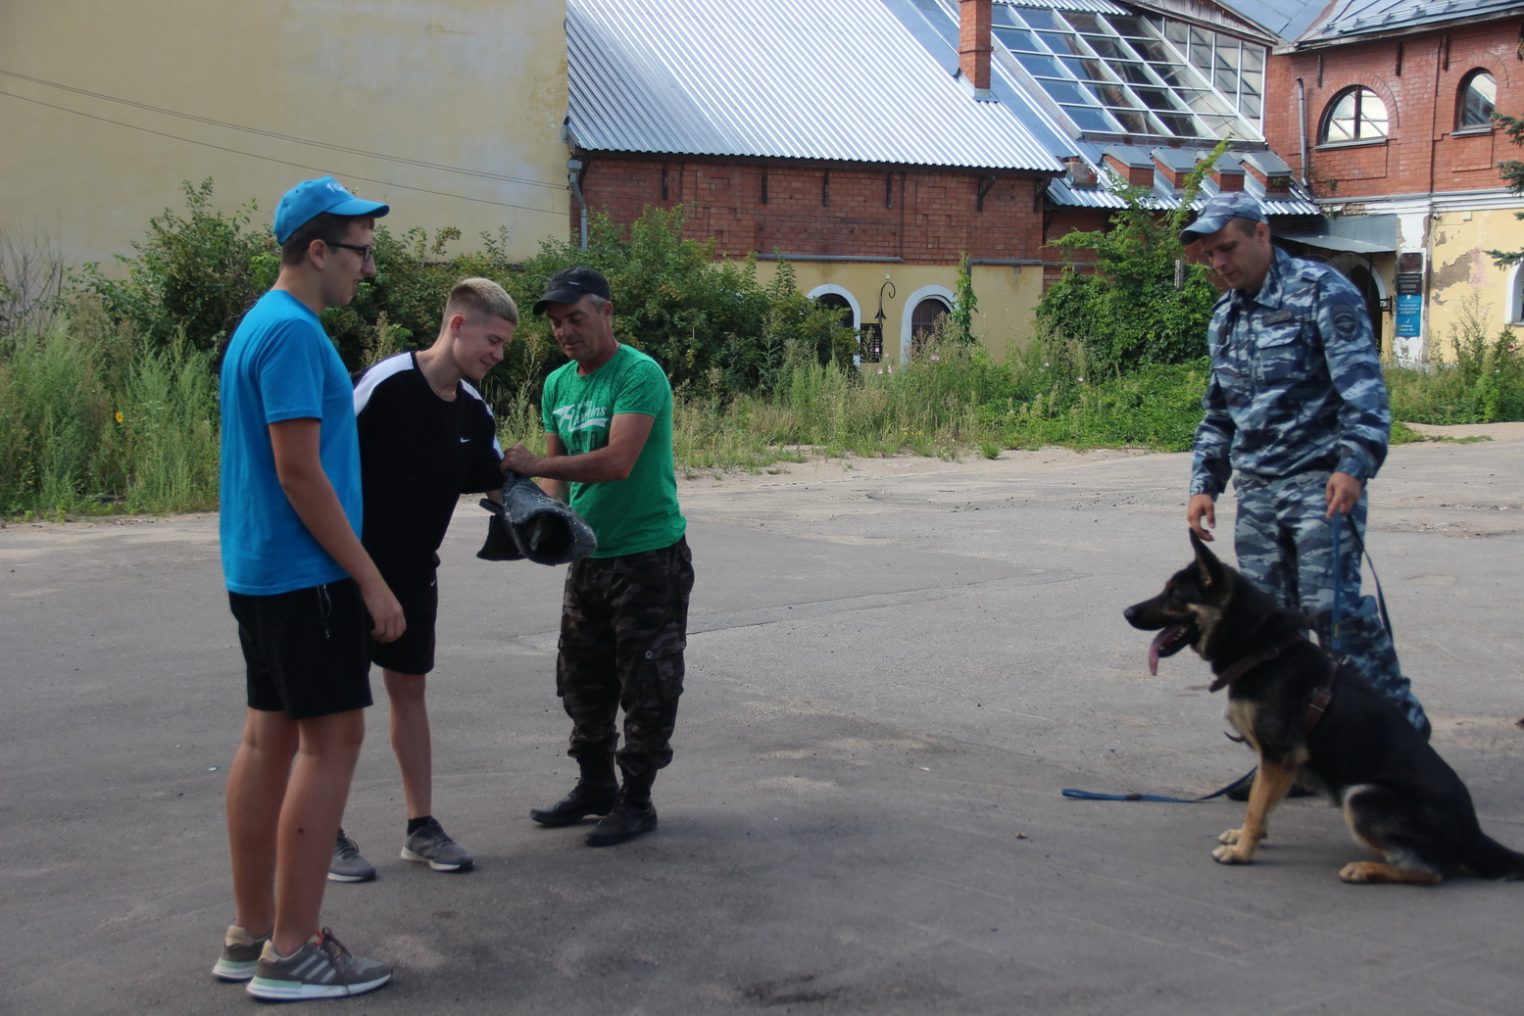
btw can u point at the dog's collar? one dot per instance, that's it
(1248, 663)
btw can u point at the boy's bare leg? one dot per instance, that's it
(256, 787)
(411, 741)
(309, 821)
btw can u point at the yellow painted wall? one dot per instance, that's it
(1460, 269)
(1003, 320)
(449, 110)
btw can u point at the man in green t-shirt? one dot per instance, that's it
(624, 620)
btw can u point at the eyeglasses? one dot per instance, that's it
(366, 253)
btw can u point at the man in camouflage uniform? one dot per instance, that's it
(624, 620)
(1297, 406)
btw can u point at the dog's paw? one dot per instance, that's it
(1359, 871)
(1235, 854)
(1231, 836)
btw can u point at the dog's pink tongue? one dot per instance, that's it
(1153, 652)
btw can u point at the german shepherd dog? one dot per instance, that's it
(1318, 723)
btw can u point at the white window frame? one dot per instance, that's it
(911, 303)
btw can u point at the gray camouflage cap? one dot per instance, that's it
(1218, 211)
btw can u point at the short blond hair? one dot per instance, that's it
(481, 298)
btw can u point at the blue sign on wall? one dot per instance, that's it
(1409, 314)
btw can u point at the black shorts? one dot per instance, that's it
(307, 652)
(418, 592)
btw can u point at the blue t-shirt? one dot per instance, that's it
(280, 365)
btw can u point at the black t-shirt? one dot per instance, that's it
(418, 454)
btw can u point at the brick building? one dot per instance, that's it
(873, 143)
(1384, 110)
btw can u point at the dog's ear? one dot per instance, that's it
(1207, 566)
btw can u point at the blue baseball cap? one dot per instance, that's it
(1219, 211)
(311, 198)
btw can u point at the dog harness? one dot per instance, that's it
(1322, 695)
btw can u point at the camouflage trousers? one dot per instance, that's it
(1284, 544)
(624, 626)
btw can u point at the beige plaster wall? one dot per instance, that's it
(450, 110)
(1463, 276)
(1006, 296)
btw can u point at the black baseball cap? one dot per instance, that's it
(570, 285)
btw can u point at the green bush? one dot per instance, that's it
(113, 406)
(193, 277)
(1483, 382)
(712, 325)
(1140, 301)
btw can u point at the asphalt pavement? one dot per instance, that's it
(894, 668)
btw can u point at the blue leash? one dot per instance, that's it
(1091, 795)
(1334, 647)
(1338, 584)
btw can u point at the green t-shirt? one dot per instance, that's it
(640, 512)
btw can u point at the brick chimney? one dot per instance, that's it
(974, 19)
(1228, 175)
(1135, 175)
(1278, 184)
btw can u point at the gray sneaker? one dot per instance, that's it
(321, 968)
(433, 844)
(240, 953)
(347, 865)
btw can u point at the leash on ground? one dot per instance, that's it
(1092, 795)
(1334, 647)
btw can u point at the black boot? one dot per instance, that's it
(596, 793)
(633, 814)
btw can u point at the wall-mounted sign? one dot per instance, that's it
(1409, 314)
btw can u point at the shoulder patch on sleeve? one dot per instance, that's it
(1346, 321)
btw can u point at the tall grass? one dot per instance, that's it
(1482, 381)
(89, 423)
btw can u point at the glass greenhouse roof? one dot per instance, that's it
(1126, 76)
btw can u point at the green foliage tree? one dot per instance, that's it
(1512, 172)
(194, 275)
(965, 303)
(400, 307)
(1130, 309)
(712, 324)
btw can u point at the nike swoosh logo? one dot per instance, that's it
(465, 440)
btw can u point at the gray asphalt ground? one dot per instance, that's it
(894, 667)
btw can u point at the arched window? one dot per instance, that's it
(1478, 98)
(925, 321)
(841, 305)
(1365, 282)
(1516, 297)
(1356, 114)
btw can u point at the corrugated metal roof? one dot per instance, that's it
(839, 81)
(1284, 18)
(1349, 18)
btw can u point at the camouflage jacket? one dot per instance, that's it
(1296, 381)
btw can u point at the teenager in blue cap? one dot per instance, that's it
(307, 598)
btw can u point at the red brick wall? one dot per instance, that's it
(1060, 222)
(1420, 155)
(931, 217)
